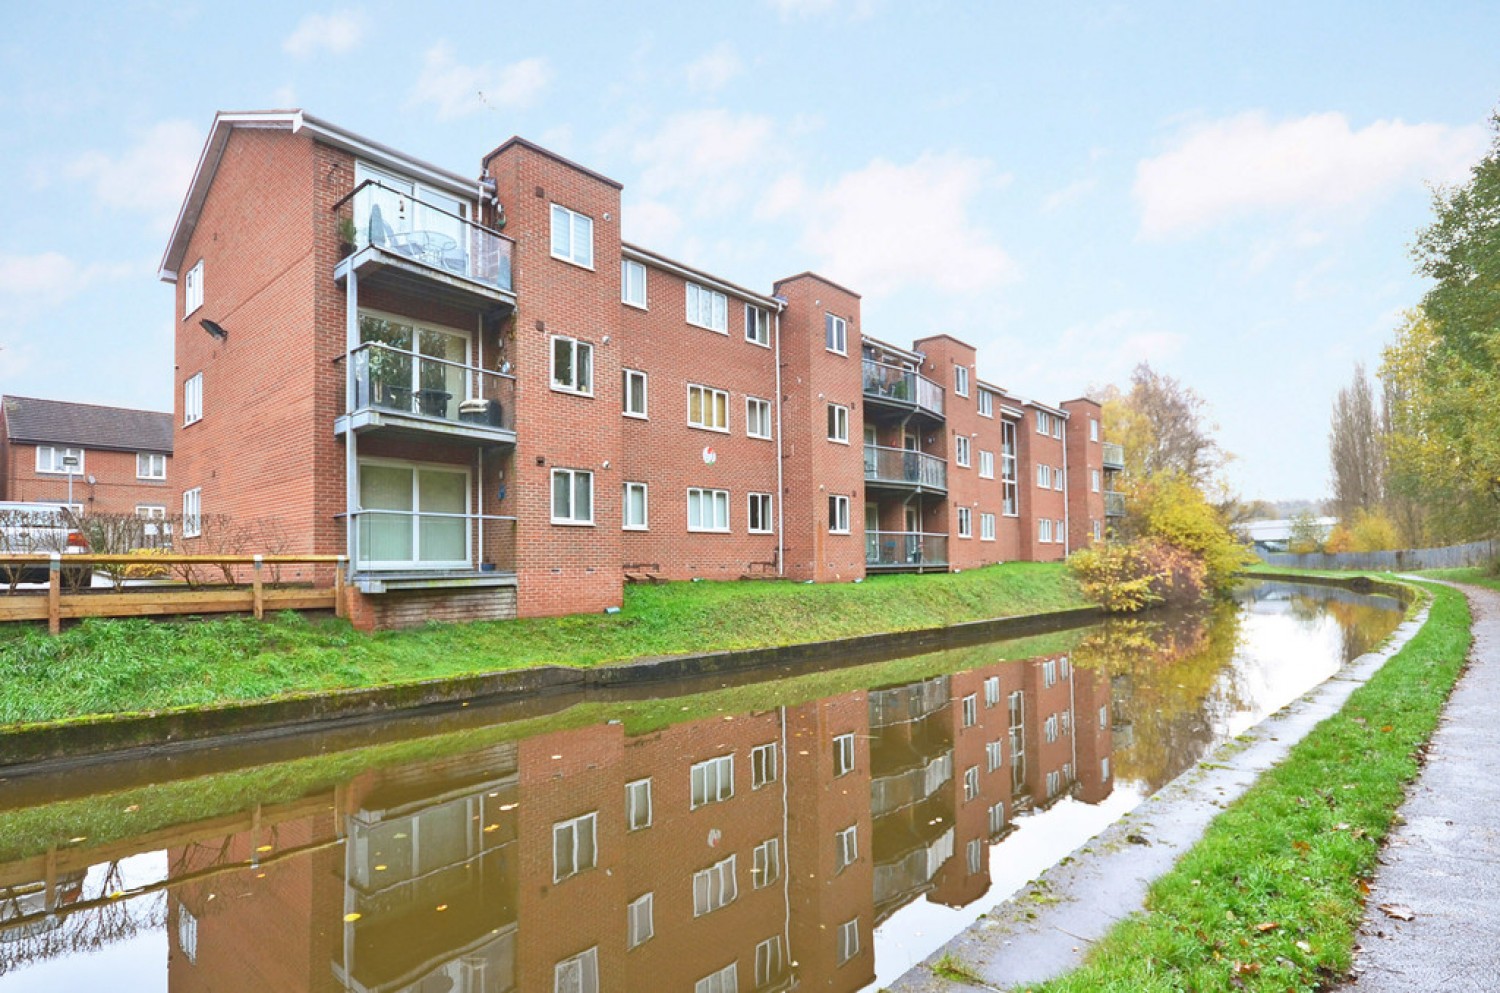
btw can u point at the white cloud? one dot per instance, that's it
(651, 222)
(1071, 193)
(334, 33)
(710, 156)
(151, 176)
(1242, 165)
(456, 90)
(715, 68)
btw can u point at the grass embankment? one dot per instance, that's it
(1271, 896)
(125, 666)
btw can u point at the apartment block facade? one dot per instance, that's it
(497, 407)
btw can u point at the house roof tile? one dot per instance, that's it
(56, 422)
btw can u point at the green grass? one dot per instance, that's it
(128, 666)
(1270, 898)
(1474, 575)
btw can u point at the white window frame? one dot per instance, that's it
(1057, 426)
(151, 461)
(843, 755)
(986, 403)
(1049, 673)
(52, 463)
(838, 514)
(997, 817)
(1093, 429)
(1094, 479)
(974, 855)
(707, 393)
(187, 933)
(1043, 422)
(572, 520)
(580, 234)
(1043, 476)
(1059, 480)
(763, 765)
(574, 826)
(757, 325)
(712, 501)
(715, 887)
(153, 512)
(991, 691)
(838, 423)
(629, 268)
(192, 290)
(637, 793)
(587, 965)
(192, 512)
(1059, 532)
(628, 376)
(706, 308)
(720, 770)
(1044, 530)
(994, 755)
(640, 920)
(766, 511)
(965, 522)
(845, 847)
(765, 863)
(848, 941)
(970, 705)
(962, 450)
(986, 464)
(1103, 716)
(764, 408)
(192, 399)
(1050, 728)
(579, 347)
(971, 783)
(769, 961)
(986, 527)
(1104, 768)
(961, 380)
(419, 561)
(625, 522)
(835, 334)
(726, 980)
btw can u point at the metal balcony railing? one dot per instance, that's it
(395, 379)
(406, 226)
(1114, 504)
(905, 549)
(898, 465)
(426, 541)
(904, 704)
(1114, 455)
(897, 385)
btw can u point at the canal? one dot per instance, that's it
(827, 830)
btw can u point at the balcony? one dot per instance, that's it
(901, 389)
(1114, 455)
(402, 549)
(891, 793)
(916, 551)
(906, 704)
(885, 466)
(402, 392)
(404, 245)
(1114, 503)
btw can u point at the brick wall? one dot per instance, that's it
(1085, 441)
(406, 609)
(115, 489)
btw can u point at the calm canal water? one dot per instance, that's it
(827, 830)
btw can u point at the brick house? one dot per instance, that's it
(120, 459)
(497, 407)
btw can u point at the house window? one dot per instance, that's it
(1065, 667)
(838, 423)
(708, 510)
(1093, 430)
(635, 393)
(1104, 767)
(714, 887)
(836, 334)
(1067, 718)
(1054, 783)
(1094, 480)
(579, 974)
(986, 403)
(986, 527)
(997, 817)
(766, 863)
(572, 496)
(757, 417)
(845, 847)
(1059, 532)
(971, 710)
(723, 981)
(961, 380)
(1098, 528)
(1049, 727)
(412, 516)
(187, 933)
(961, 450)
(965, 523)
(572, 366)
(1043, 422)
(192, 512)
(768, 961)
(149, 465)
(838, 514)
(1044, 531)
(572, 237)
(1057, 478)
(986, 464)
(638, 804)
(192, 290)
(1049, 673)
(1103, 716)
(50, 459)
(762, 765)
(992, 756)
(573, 847)
(971, 783)
(640, 923)
(712, 780)
(708, 408)
(1008, 469)
(707, 308)
(757, 325)
(1057, 425)
(1044, 476)
(192, 399)
(633, 283)
(151, 512)
(992, 691)
(975, 856)
(843, 755)
(848, 940)
(633, 508)
(760, 513)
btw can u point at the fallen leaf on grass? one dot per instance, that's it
(1398, 911)
(1267, 926)
(1302, 846)
(1246, 968)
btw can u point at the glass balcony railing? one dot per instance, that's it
(1114, 455)
(894, 384)
(905, 549)
(899, 465)
(401, 381)
(406, 226)
(1114, 504)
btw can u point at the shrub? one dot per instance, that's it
(1123, 577)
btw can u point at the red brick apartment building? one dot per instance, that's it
(119, 460)
(497, 407)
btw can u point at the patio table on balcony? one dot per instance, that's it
(432, 247)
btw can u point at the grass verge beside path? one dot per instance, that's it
(1270, 898)
(125, 666)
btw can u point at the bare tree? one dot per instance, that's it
(1356, 456)
(1164, 427)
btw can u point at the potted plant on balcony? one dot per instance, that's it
(347, 234)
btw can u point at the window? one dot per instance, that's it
(707, 308)
(992, 756)
(579, 974)
(1093, 430)
(1103, 716)
(1057, 425)
(187, 933)
(768, 961)
(971, 710)
(762, 765)
(992, 691)
(1044, 531)
(766, 863)
(1064, 666)
(971, 783)
(192, 399)
(845, 847)
(986, 527)
(757, 325)
(708, 510)
(192, 512)
(1067, 722)
(572, 366)
(838, 514)
(961, 380)
(1049, 673)
(1010, 507)
(1098, 529)
(1094, 480)
(640, 923)
(1043, 422)
(961, 449)
(572, 496)
(843, 754)
(50, 459)
(997, 817)
(975, 856)
(965, 523)
(986, 403)
(759, 513)
(848, 941)
(633, 283)
(1054, 783)
(148, 465)
(836, 334)
(1057, 478)
(757, 417)
(723, 981)
(572, 847)
(192, 290)
(838, 423)
(633, 508)
(398, 526)
(635, 393)
(572, 236)
(151, 512)
(986, 464)
(713, 780)
(638, 804)
(1049, 727)
(714, 887)
(708, 408)
(1104, 767)
(1059, 532)
(1044, 476)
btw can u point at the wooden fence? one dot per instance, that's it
(54, 604)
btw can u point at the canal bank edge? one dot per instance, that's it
(49, 747)
(1044, 929)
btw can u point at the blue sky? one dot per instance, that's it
(1225, 190)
